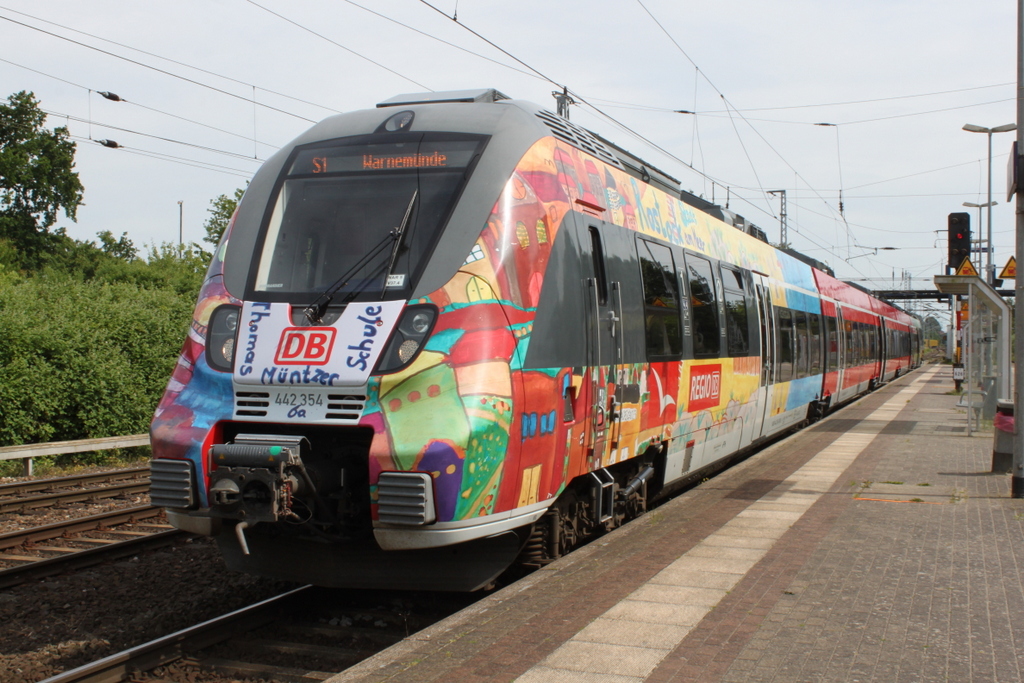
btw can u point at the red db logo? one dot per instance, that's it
(305, 346)
(705, 387)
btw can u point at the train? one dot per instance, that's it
(458, 334)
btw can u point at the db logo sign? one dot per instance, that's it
(305, 346)
(705, 387)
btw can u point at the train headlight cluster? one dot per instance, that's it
(410, 334)
(220, 339)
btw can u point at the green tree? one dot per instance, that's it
(222, 208)
(932, 329)
(122, 248)
(37, 179)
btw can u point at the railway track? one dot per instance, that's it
(39, 493)
(306, 634)
(81, 542)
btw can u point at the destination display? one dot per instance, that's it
(445, 154)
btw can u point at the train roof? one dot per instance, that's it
(513, 126)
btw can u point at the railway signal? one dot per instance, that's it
(959, 227)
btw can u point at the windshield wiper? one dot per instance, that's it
(314, 312)
(398, 241)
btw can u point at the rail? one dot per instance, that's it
(171, 647)
(27, 452)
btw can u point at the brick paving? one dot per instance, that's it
(880, 579)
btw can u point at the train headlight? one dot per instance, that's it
(407, 350)
(228, 350)
(410, 335)
(220, 337)
(421, 321)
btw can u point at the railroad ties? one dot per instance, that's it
(77, 542)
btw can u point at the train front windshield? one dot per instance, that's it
(338, 208)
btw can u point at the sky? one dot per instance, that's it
(210, 88)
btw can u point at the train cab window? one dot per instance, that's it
(337, 205)
(784, 355)
(703, 306)
(661, 301)
(737, 331)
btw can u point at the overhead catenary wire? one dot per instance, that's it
(729, 105)
(133, 103)
(821, 104)
(337, 44)
(153, 68)
(149, 135)
(194, 163)
(579, 98)
(168, 59)
(704, 175)
(445, 42)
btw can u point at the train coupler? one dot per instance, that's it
(257, 477)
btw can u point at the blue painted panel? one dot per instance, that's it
(803, 391)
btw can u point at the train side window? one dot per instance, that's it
(704, 307)
(801, 343)
(733, 279)
(814, 335)
(784, 354)
(661, 301)
(597, 253)
(737, 330)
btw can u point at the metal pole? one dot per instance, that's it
(1017, 481)
(990, 272)
(968, 337)
(181, 222)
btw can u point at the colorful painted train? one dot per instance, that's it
(457, 333)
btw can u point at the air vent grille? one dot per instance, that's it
(170, 483)
(346, 408)
(578, 137)
(252, 403)
(405, 498)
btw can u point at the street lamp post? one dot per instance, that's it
(989, 204)
(970, 127)
(181, 222)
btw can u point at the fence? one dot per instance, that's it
(29, 451)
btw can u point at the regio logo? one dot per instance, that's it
(705, 387)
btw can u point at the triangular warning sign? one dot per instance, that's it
(1009, 271)
(967, 268)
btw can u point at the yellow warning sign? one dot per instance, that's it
(1009, 271)
(967, 268)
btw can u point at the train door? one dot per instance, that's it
(837, 346)
(882, 333)
(604, 351)
(766, 328)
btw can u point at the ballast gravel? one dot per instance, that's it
(64, 621)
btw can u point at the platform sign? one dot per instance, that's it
(1009, 271)
(967, 268)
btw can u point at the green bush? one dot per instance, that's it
(83, 359)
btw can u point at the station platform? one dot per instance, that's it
(874, 545)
